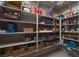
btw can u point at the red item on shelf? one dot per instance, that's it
(54, 29)
(36, 10)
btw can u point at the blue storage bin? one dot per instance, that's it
(11, 27)
(48, 21)
(71, 44)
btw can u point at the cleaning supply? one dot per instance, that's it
(61, 17)
(11, 27)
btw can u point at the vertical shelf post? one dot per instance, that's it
(37, 32)
(78, 23)
(61, 41)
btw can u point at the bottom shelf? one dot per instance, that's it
(27, 53)
(26, 50)
(70, 48)
(30, 52)
(72, 52)
(47, 47)
(70, 39)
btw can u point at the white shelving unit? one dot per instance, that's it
(72, 33)
(36, 33)
(32, 20)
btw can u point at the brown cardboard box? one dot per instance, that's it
(20, 50)
(8, 51)
(14, 4)
(28, 29)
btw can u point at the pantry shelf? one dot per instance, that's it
(49, 47)
(44, 16)
(75, 49)
(70, 18)
(26, 12)
(71, 24)
(46, 40)
(17, 21)
(48, 25)
(10, 8)
(17, 33)
(17, 10)
(15, 44)
(27, 53)
(70, 39)
(71, 32)
(47, 32)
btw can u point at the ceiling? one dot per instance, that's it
(56, 6)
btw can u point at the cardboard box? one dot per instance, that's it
(13, 4)
(18, 50)
(8, 51)
(28, 29)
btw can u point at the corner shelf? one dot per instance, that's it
(69, 27)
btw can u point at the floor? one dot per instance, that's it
(59, 53)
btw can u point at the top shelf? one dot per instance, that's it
(47, 17)
(18, 10)
(29, 13)
(70, 18)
